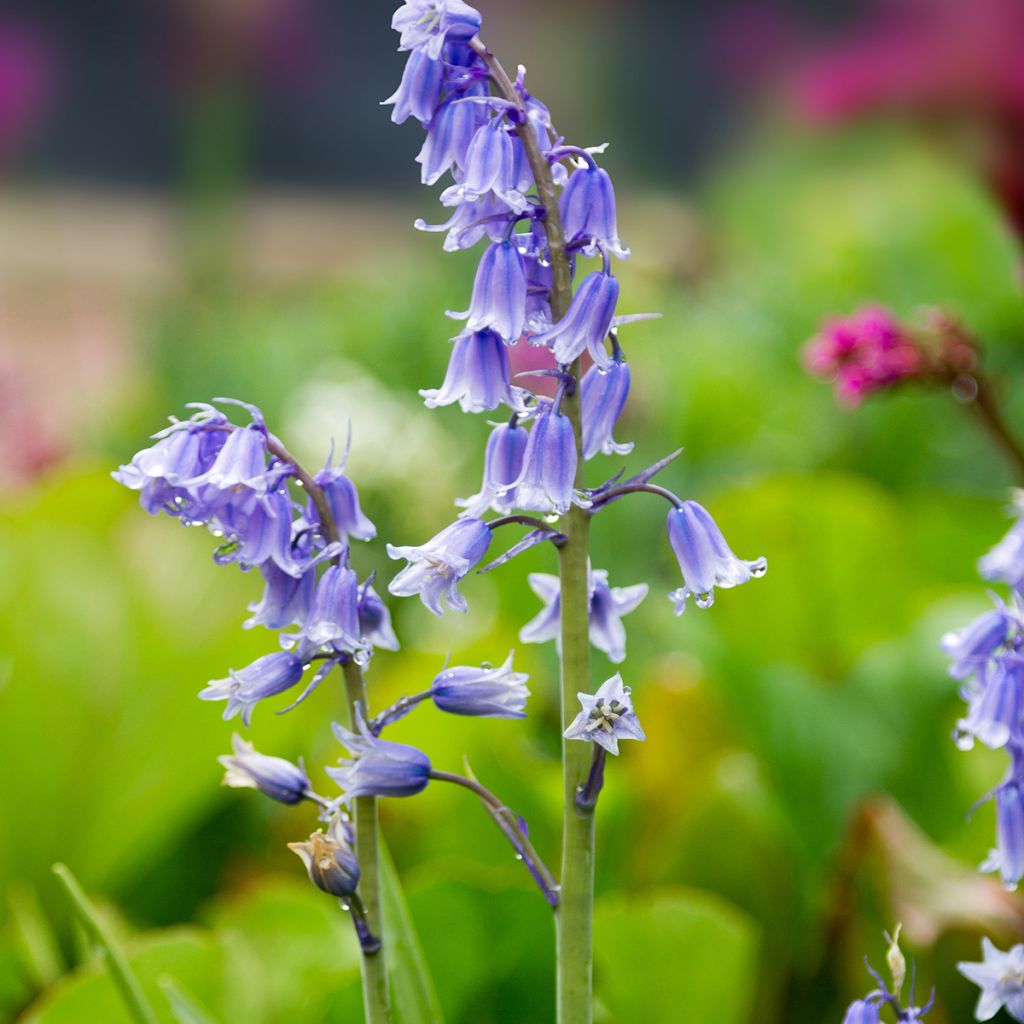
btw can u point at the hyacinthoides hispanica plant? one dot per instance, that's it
(871, 351)
(543, 206)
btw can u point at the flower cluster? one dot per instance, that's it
(504, 157)
(863, 353)
(871, 350)
(987, 656)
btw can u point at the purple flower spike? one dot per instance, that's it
(265, 677)
(1000, 976)
(449, 136)
(499, 294)
(1005, 562)
(586, 325)
(863, 1011)
(375, 620)
(588, 211)
(704, 557)
(334, 618)
(607, 607)
(503, 464)
(607, 717)
(272, 776)
(420, 90)
(286, 599)
(490, 168)
(478, 377)
(435, 568)
(343, 498)
(378, 767)
(548, 479)
(603, 395)
(486, 692)
(426, 25)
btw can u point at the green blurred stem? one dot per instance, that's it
(120, 970)
(985, 407)
(575, 911)
(376, 995)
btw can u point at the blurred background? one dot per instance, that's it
(203, 197)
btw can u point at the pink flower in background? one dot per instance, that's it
(948, 63)
(25, 80)
(865, 352)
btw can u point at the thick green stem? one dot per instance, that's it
(376, 994)
(576, 903)
(120, 970)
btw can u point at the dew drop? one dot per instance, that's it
(705, 600)
(758, 568)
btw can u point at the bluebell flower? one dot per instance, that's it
(863, 1011)
(436, 567)
(1008, 857)
(488, 692)
(487, 217)
(420, 90)
(478, 377)
(333, 620)
(330, 859)
(258, 533)
(449, 136)
(704, 557)
(548, 478)
(499, 294)
(588, 211)
(995, 704)
(378, 767)
(161, 472)
(503, 464)
(490, 168)
(375, 626)
(265, 677)
(1000, 976)
(343, 499)
(587, 323)
(606, 717)
(1005, 562)
(272, 776)
(603, 394)
(971, 647)
(607, 606)
(239, 474)
(426, 25)
(286, 599)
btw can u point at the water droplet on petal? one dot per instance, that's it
(705, 600)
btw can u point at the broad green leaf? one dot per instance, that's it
(674, 956)
(188, 956)
(414, 993)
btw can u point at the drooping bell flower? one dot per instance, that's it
(704, 557)
(478, 377)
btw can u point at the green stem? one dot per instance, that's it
(575, 911)
(376, 994)
(120, 970)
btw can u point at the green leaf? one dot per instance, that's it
(674, 955)
(189, 956)
(415, 996)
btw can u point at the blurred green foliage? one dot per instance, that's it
(769, 717)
